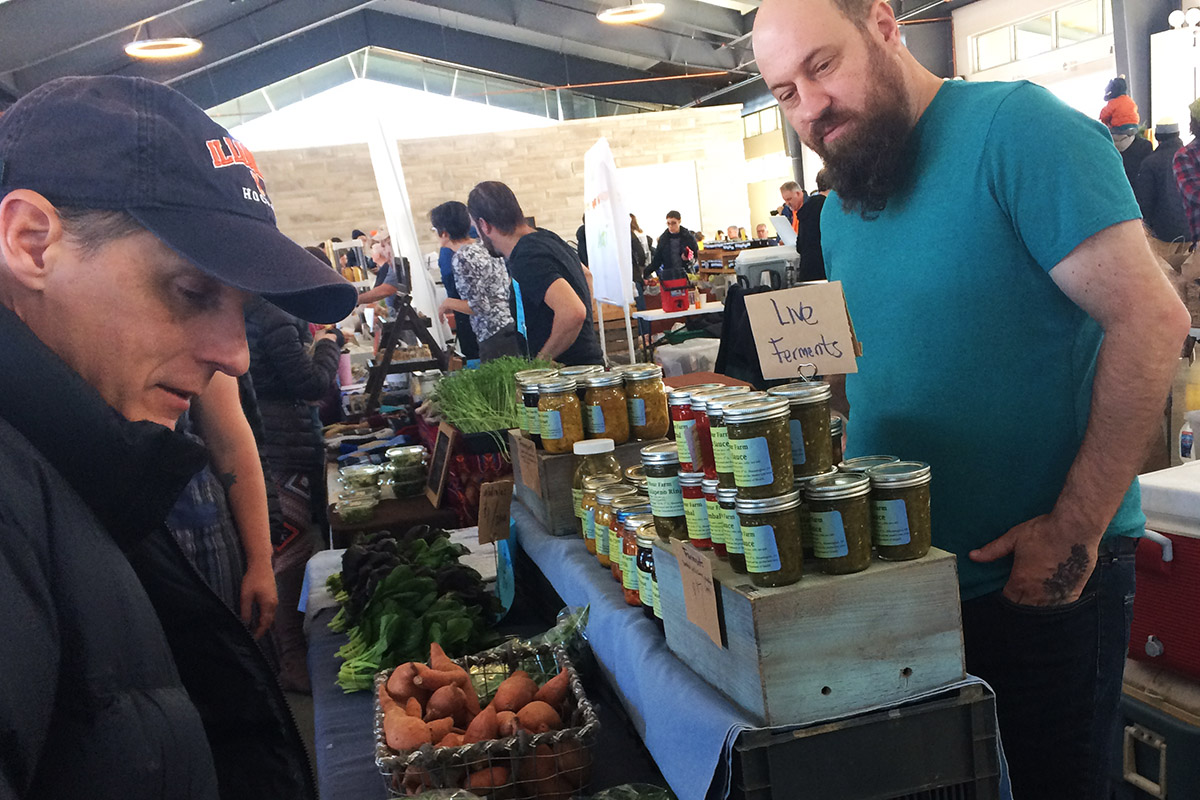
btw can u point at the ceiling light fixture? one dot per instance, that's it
(634, 12)
(176, 47)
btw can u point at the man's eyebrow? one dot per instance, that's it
(806, 64)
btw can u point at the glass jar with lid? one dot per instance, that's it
(591, 507)
(622, 508)
(719, 434)
(581, 372)
(702, 431)
(805, 526)
(562, 422)
(646, 399)
(527, 390)
(901, 526)
(812, 451)
(635, 476)
(361, 476)
(860, 464)
(661, 465)
(695, 512)
(837, 429)
(604, 517)
(631, 582)
(771, 538)
(593, 457)
(760, 447)
(679, 407)
(644, 538)
(839, 515)
(604, 409)
(717, 528)
(731, 525)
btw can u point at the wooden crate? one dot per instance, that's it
(828, 645)
(543, 484)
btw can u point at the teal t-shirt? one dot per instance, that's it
(973, 359)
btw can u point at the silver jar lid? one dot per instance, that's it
(899, 474)
(635, 473)
(665, 453)
(691, 478)
(837, 425)
(556, 384)
(803, 392)
(837, 486)
(530, 377)
(642, 372)
(769, 505)
(726, 494)
(756, 410)
(710, 485)
(608, 494)
(579, 370)
(864, 463)
(717, 405)
(602, 379)
(800, 481)
(594, 482)
(646, 532)
(635, 521)
(629, 504)
(679, 397)
(700, 399)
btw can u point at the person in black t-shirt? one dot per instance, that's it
(808, 234)
(555, 287)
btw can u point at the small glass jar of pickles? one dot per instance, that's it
(719, 434)
(646, 399)
(604, 410)
(760, 447)
(647, 575)
(661, 465)
(527, 390)
(901, 526)
(580, 373)
(839, 516)
(732, 528)
(771, 538)
(805, 525)
(622, 509)
(590, 507)
(695, 511)
(604, 517)
(561, 419)
(812, 451)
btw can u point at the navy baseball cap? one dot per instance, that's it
(134, 145)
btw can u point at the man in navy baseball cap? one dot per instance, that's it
(133, 229)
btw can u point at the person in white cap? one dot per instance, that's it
(1157, 191)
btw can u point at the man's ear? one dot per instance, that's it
(882, 22)
(29, 227)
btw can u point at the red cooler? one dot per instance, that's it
(1165, 630)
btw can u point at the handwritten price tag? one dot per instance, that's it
(699, 590)
(528, 461)
(803, 331)
(495, 500)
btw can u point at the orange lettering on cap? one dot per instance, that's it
(219, 157)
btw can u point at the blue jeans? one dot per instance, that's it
(1057, 675)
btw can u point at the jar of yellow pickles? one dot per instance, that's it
(604, 517)
(590, 507)
(646, 399)
(604, 410)
(561, 420)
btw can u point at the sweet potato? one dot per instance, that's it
(416, 781)
(573, 762)
(516, 690)
(403, 732)
(439, 660)
(544, 778)
(413, 708)
(448, 701)
(385, 700)
(401, 687)
(483, 727)
(554, 691)
(439, 728)
(538, 717)
(432, 679)
(485, 780)
(451, 740)
(506, 723)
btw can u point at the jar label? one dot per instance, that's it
(601, 539)
(614, 545)
(717, 524)
(828, 533)
(629, 571)
(533, 420)
(578, 494)
(637, 411)
(751, 461)
(734, 543)
(666, 498)
(523, 417)
(720, 443)
(656, 598)
(890, 520)
(594, 419)
(685, 440)
(645, 587)
(762, 552)
(589, 523)
(552, 425)
(797, 442)
(697, 518)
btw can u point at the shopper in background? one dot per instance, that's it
(1187, 173)
(1158, 194)
(732, 233)
(760, 231)
(677, 247)
(1037, 241)
(555, 288)
(389, 287)
(808, 233)
(483, 284)
(114, 649)
(793, 200)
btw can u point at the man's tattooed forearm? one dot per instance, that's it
(1068, 575)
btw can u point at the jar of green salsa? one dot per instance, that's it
(731, 528)
(771, 537)
(812, 451)
(719, 434)
(805, 527)
(837, 429)
(760, 447)
(901, 526)
(839, 516)
(661, 465)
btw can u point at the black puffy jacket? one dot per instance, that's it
(1158, 193)
(288, 375)
(124, 675)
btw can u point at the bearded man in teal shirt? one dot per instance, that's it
(1018, 336)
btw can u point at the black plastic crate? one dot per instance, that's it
(939, 749)
(1159, 754)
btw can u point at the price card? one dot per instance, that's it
(528, 459)
(495, 500)
(699, 590)
(803, 331)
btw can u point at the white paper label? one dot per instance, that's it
(666, 498)
(594, 419)
(685, 440)
(829, 535)
(797, 442)
(697, 519)
(552, 425)
(762, 552)
(890, 520)
(637, 411)
(751, 461)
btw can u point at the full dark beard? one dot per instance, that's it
(487, 244)
(870, 162)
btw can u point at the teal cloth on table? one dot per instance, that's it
(973, 359)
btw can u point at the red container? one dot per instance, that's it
(675, 295)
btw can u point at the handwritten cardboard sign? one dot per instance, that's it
(803, 331)
(495, 501)
(527, 462)
(699, 590)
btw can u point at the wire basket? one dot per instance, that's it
(554, 764)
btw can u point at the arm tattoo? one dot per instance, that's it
(228, 479)
(1068, 575)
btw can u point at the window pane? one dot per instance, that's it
(993, 48)
(1078, 22)
(769, 119)
(751, 124)
(1035, 36)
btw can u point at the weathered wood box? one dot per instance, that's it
(542, 482)
(826, 646)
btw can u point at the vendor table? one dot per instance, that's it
(658, 315)
(396, 515)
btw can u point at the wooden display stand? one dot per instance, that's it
(826, 646)
(382, 366)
